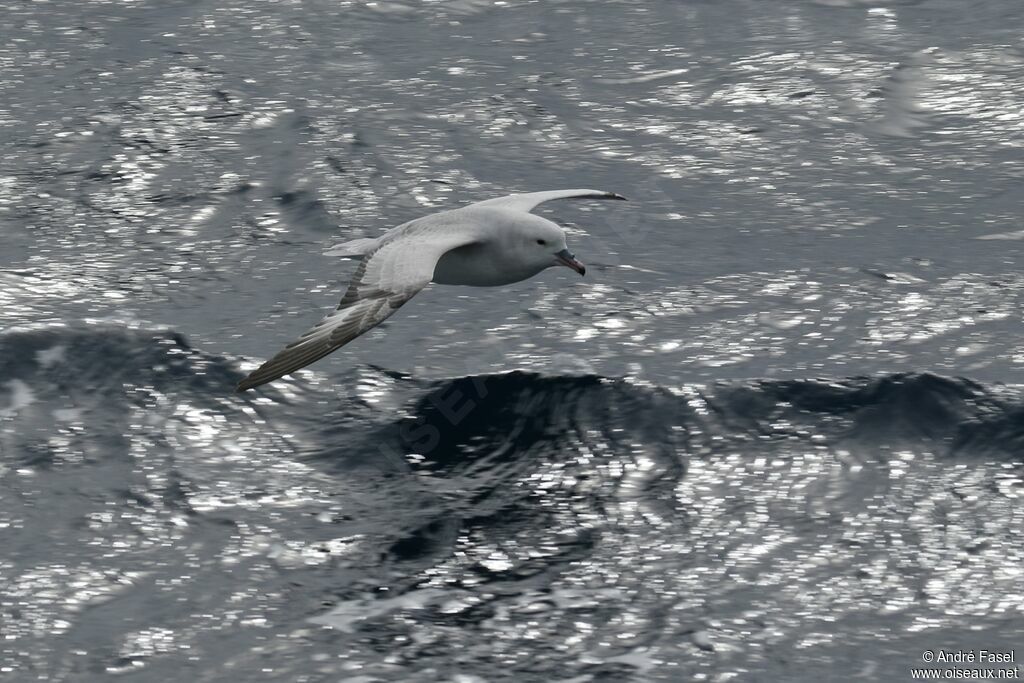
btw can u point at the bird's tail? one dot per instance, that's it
(353, 248)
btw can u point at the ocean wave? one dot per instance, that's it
(498, 417)
(470, 505)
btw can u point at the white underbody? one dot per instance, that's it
(479, 265)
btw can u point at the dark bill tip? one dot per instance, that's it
(566, 259)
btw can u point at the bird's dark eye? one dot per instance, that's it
(541, 242)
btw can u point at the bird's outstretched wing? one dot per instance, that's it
(530, 200)
(386, 278)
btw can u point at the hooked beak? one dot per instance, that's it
(565, 258)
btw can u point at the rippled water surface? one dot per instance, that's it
(774, 435)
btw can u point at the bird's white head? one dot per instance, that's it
(541, 244)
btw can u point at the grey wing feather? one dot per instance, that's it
(385, 279)
(330, 334)
(530, 200)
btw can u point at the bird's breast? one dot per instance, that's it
(478, 266)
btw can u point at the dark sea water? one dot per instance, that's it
(775, 434)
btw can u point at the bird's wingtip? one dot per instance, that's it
(614, 195)
(245, 385)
